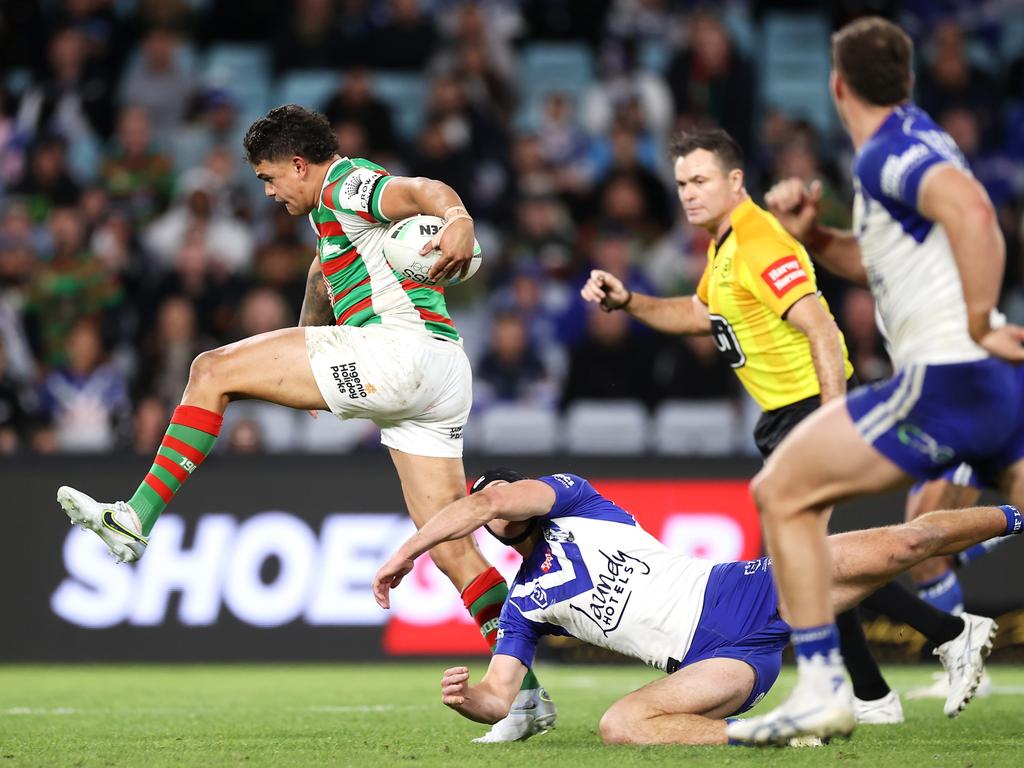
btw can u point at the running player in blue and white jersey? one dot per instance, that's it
(590, 571)
(927, 243)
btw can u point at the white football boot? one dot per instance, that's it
(116, 524)
(939, 688)
(820, 705)
(532, 713)
(884, 711)
(964, 660)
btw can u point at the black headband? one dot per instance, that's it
(511, 476)
(498, 473)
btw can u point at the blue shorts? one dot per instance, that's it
(740, 620)
(930, 418)
(962, 475)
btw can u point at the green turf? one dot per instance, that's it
(371, 715)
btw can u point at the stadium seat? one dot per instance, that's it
(405, 94)
(244, 71)
(309, 88)
(795, 66)
(607, 427)
(516, 429)
(329, 434)
(546, 68)
(696, 427)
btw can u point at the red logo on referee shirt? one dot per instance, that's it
(784, 274)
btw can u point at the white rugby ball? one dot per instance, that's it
(402, 247)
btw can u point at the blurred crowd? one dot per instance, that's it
(133, 236)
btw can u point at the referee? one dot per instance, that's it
(758, 298)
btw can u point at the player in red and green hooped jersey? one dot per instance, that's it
(370, 344)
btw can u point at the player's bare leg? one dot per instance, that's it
(686, 707)
(272, 366)
(823, 462)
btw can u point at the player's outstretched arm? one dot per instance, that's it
(316, 306)
(513, 501)
(795, 205)
(678, 314)
(491, 699)
(406, 196)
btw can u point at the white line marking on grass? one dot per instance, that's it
(38, 711)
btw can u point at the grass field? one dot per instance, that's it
(371, 715)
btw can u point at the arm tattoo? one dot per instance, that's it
(316, 307)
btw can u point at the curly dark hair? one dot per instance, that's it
(289, 131)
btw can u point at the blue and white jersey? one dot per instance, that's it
(908, 259)
(598, 576)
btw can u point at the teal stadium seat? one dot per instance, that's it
(308, 88)
(546, 68)
(405, 94)
(795, 66)
(244, 71)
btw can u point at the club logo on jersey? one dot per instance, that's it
(539, 596)
(564, 480)
(346, 377)
(607, 601)
(549, 560)
(784, 274)
(357, 189)
(914, 437)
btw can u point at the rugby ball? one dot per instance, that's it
(402, 247)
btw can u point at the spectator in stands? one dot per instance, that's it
(17, 403)
(168, 349)
(542, 236)
(691, 368)
(67, 286)
(622, 204)
(625, 154)
(511, 369)
(566, 20)
(71, 101)
(308, 38)
(355, 102)
(442, 152)
(197, 213)
(213, 126)
(706, 77)
(565, 145)
(626, 86)
(158, 83)
(86, 399)
(47, 183)
(17, 262)
(863, 340)
(283, 268)
(992, 166)
(262, 310)
(949, 79)
(614, 251)
(134, 171)
(403, 36)
(612, 362)
(246, 436)
(214, 293)
(150, 424)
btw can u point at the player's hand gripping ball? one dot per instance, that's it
(402, 248)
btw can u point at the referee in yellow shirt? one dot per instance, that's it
(758, 298)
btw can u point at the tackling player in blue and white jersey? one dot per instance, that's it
(927, 243)
(590, 571)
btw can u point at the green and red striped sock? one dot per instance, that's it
(484, 598)
(188, 440)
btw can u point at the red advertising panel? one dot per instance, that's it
(713, 519)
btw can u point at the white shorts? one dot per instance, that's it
(416, 388)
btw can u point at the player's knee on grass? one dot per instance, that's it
(620, 725)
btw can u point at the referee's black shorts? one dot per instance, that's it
(773, 426)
